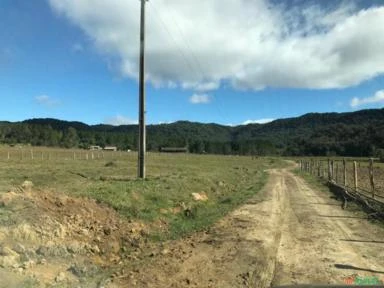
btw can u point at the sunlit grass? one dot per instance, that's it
(163, 200)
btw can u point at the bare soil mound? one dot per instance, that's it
(46, 239)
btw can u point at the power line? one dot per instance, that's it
(173, 39)
(198, 65)
(188, 46)
(199, 71)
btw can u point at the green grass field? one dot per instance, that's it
(164, 197)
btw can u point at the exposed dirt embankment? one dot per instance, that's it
(48, 240)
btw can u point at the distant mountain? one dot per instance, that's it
(358, 133)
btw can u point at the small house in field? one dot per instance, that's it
(95, 148)
(174, 149)
(110, 148)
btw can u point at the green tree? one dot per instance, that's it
(70, 138)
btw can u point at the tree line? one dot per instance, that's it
(358, 133)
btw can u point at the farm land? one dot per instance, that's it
(72, 224)
(77, 218)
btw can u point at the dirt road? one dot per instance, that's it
(288, 234)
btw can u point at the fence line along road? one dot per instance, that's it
(343, 177)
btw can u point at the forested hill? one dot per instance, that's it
(347, 134)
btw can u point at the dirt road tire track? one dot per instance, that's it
(288, 234)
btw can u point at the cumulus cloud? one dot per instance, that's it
(200, 99)
(120, 120)
(46, 100)
(165, 122)
(249, 44)
(259, 121)
(377, 98)
(201, 87)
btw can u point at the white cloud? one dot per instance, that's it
(259, 121)
(120, 120)
(377, 98)
(201, 87)
(200, 99)
(249, 44)
(46, 100)
(165, 122)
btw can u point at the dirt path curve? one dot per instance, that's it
(288, 234)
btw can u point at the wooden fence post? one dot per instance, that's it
(31, 154)
(312, 167)
(345, 172)
(337, 173)
(329, 170)
(355, 173)
(318, 168)
(324, 171)
(371, 177)
(9, 156)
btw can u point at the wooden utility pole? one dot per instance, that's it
(142, 130)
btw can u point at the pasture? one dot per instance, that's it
(164, 197)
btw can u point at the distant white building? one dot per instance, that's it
(110, 148)
(174, 149)
(95, 148)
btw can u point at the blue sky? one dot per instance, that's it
(235, 62)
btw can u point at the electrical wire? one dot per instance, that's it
(197, 67)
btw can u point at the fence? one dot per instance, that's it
(361, 181)
(58, 154)
(365, 177)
